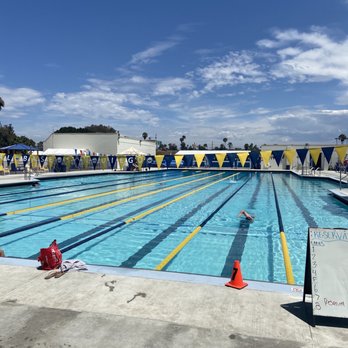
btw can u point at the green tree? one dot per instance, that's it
(182, 143)
(145, 135)
(251, 147)
(172, 147)
(230, 145)
(7, 135)
(88, 129)
(39, 145)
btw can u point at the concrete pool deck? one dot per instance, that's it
(85, 309)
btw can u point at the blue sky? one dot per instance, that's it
(265, 72)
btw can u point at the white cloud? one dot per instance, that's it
(96, 104)
(334, 112)
(233, 69)
(18, 98)
(148, 55)
(172, 86)
(19, 101)
(310, 56)
(266, 43)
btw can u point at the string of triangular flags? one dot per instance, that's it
(137, 162)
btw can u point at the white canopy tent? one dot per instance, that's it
(65, 152)
(132, 151)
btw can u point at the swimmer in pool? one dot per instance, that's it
(247, 215)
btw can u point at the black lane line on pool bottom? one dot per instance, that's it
(213, 213)
(238, 244)
(112, 227)
(121, 181)
(58, 218)
(305, 212)
(161, 234)
(280, 221)
(149, 246)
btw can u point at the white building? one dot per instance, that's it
(98, 143)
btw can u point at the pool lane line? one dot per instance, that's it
(109, 224)
(142, 215)
(74, 191)
(96, 195)
(79, 184)
(112, 204)
(305, 212)
(239, 240)
(287, 262)
(147, 248)
(98, 207)
(175, 251)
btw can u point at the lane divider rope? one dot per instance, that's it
(176, 250)
(142, 215)
(287, 262)
(96, 195)
(99, 207)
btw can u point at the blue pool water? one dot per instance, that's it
(88, 218)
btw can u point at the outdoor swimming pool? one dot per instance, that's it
(152, 220)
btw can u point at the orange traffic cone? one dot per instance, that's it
(236, 278)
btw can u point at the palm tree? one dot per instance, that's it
(230, 145)
(145, 135)
(342, 137)
(182, 143)
(2, 103)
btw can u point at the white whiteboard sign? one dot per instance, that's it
(329, 271)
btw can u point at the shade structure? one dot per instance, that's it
(19, 147)
(132, 151)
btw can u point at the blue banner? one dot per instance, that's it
(42, 159)
(188, 160)
(278, 154)
(150, 161)
(327, 151)
(302, 153)
(59, 160)
(9, 159)
(25, 159)
(169, 161)
(77, 159)
(255, 159)
(232, 158)
(131, 162)
(112, 161)
(212, 160)
(94, 160)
